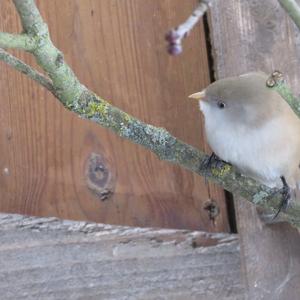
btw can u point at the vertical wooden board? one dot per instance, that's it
(117, 49)
(249, 36)
(270, 256)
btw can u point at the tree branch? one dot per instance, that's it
(46, 54)
(277, 82)
(177, 34)
(17, 41)
(293, 10)
(77, 98)
(27, 70)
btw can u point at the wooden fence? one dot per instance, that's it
(52, 158)
(53, 163)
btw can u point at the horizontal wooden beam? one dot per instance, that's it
(47, 258)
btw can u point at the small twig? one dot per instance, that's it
(27, 70)
(177, 34)
(46, 54)
(277, 82)
(17, 41)
(293, 10)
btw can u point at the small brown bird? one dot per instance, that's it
(252, 127)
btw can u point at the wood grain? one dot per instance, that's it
(270, 256)
(46, 258)
(249, 36)
(117, 48)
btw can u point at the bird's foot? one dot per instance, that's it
(285, 197)
(212, 160)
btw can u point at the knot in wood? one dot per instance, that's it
(99, 177)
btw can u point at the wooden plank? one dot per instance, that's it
(117, 48)
(44, 258)
(270, 256)
(249, 36)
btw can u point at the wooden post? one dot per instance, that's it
(249, 36)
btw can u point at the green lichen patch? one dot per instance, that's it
(94, 108)
(221, 171)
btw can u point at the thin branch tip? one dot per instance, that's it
(175, 36)
(292, 8)
(277, 82)
(19, 65)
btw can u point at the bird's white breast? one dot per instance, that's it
(256, 152)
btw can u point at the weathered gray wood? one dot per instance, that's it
(54, 259)
(270, 257)
(248, 36)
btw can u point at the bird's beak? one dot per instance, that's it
(198, 96)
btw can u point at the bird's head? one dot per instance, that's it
(240, 100)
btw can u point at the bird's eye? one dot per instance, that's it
(221, 104)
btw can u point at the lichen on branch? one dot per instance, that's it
(79, 99)
(27, 70)
(66, 84)
(17, 41)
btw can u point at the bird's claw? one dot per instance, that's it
(212, 160)
(285, 197)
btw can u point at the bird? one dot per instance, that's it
(250, 126)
